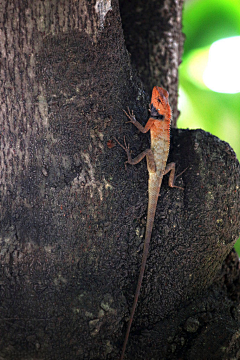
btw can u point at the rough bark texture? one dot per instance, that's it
(73, 219)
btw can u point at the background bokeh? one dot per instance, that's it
(204, 22)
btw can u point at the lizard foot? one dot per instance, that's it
(181, 173)
(126, 148)
(179, 187)
(130, 115)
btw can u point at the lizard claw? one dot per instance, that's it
(181, 173)
(130, 115)
(120, 143)
(127, 148)
(124, 147)
(179, 187)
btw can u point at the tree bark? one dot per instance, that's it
(73, 218)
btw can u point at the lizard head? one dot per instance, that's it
(159, 107)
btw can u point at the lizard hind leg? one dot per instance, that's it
(171, 167)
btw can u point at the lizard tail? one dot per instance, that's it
(154, 184)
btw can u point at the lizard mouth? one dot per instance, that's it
(155, 114)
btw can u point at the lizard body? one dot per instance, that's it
(159, 125)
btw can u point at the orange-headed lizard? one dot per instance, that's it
(159, 125)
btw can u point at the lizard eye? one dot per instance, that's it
(155, 113)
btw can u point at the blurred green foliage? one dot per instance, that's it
(206, 21)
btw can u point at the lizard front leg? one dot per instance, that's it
(151, 166)
(133, 120)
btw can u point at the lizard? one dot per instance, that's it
(159, 125)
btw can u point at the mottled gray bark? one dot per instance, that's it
(72, 217)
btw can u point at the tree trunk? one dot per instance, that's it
(73, 218)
